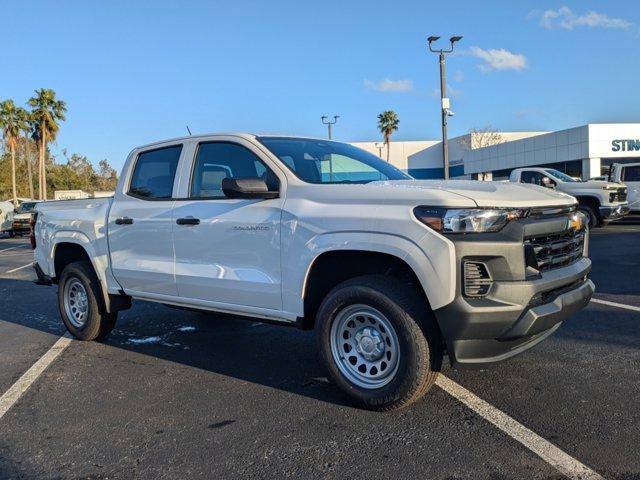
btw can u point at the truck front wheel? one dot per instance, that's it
(379, 342)
(79, 302)
(592, 217)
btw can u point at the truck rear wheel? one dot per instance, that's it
(80, 303)
(379, 342)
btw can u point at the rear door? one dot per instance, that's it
(631, 178)
(140, 223)
(228, 250)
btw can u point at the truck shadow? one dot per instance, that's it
(279, 357)
(274, 356)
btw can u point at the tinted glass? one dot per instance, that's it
(631, 174)
(531, 177)
(562, 176)
(26, 207)
(321, 161)
(154, 173)
(218, 160)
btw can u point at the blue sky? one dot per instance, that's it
(135, 72)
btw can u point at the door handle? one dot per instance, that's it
(124, 221)
(188, 221)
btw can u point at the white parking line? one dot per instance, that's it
(12, 248)
(11, 396)
(551, 454)
(614, 304)
(20, 268)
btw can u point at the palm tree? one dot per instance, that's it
(27, 130)
(46, 111)
(12, 121)
(387, 124)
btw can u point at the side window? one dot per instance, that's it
(631, 174)
(154, 173)
(531, 177)
(216, 161)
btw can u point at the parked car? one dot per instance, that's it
(391, 272)
(22, 218)
(600, 202)
(629, 173)
(6, 218)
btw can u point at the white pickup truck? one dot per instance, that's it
(600, 202)
(391, 272)
(629, 174)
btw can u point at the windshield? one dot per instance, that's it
(26, 207)
(324, 161)
(561, 176)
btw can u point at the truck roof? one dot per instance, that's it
(245, 135)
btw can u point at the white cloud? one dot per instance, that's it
(565, 18)
(458, 76)
(388, 85)
(499, 59)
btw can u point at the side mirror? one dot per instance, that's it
(249, 187)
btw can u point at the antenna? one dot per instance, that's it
(188, 130)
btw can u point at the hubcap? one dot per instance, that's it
(364, 346)
(76, 302)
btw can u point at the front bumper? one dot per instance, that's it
(523, 306)
(613, 213)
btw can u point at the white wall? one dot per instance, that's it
(399, 152)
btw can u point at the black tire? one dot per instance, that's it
(592, 216)
(98, 323)
(11, 234)
(419, 340)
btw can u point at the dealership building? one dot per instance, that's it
(586, 151)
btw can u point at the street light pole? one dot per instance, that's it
(329, 123)
(444, 101)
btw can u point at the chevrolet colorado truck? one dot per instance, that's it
(600, 202)
(391, 272)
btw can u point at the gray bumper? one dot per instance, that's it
(613, 213)
(523, 305)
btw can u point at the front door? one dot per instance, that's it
(141, 224)
(228, 250)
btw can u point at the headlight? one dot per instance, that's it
(466, 220)
(610, 187)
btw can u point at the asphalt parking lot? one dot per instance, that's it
(173, 394)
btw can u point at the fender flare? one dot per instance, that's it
(436, 272)
(100, 263)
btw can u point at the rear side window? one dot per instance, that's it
(631, 174)
(219, 160)
(154, 173)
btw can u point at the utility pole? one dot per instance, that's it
(445, 104)
(329, 123)
(379, 146)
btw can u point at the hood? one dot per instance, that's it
(490, 194)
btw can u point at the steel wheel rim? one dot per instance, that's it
(76, 302)
(365, 346)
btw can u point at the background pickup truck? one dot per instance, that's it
(599, 201)
(629, 174)
(391, 272)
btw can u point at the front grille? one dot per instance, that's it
(554, 250)
(619, 195)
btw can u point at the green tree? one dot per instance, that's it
(387, 124)
(107, 176)
(46, 112)
(13, 120)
